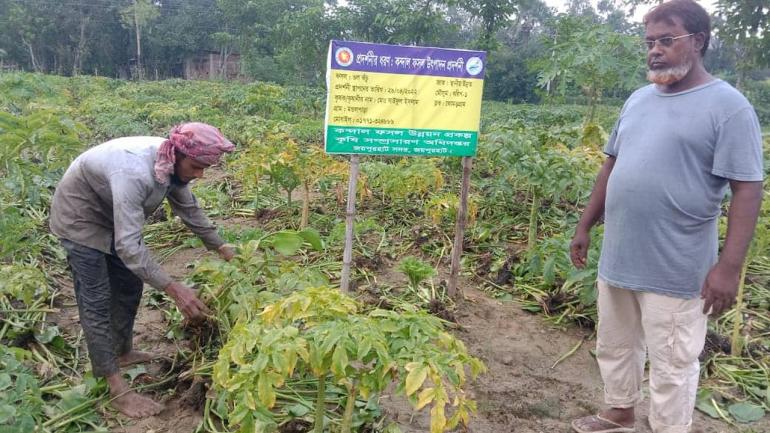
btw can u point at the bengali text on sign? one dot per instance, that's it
(398, 100)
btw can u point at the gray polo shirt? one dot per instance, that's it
(106, 195)
(675, 156)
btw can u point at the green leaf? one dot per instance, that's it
(5, 381)
(265, 389)
(588, 295)
(238, 413)
(704, 404)
(339, 361)
(392, 428)
(426, 396)
(287, 243)
(280, 362)
(415, 379)
(363, 349)
(135, 372)
(47, 335)
(6, 413)
(549, 271)
(312, 237)
(746, 412)
(298, 410)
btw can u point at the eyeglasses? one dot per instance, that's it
(665, 42)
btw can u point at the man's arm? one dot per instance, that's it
(128, 217)
(184, 205)
(722, 281)
(591, 215)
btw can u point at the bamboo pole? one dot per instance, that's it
(347, 256)
(462, 212)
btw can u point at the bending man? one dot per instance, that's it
(98, 211)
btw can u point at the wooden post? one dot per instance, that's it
(347, 256)
(462, 214)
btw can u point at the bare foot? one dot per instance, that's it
(135, 357)
(135, 405)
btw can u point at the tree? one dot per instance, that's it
(188, 28)
(745, 24)
(409, 22)
(137, 16)
(590, 57)
(508, 76)
(225, 41)
(309, 32)
(494, 14)
(264, 36)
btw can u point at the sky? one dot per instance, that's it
(561, 5)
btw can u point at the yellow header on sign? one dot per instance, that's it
(404, 101)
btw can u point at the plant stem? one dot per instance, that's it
(29, 310)
(305, 205)
(347, 417)
(72, 410)
(568, 354)
(533, 220)
(288, 197)
(320, 405)
(736, 343)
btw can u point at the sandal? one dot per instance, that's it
(597, 424)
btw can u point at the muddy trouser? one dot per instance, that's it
(108, 296)
(672, 331)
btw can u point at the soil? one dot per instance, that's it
(521, 392)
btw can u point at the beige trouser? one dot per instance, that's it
(672, 331)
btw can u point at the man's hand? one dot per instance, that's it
(187, 300)
(226, 252)
(578, 249)
(720, 288)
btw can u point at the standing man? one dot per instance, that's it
(677, 146)
(98, 211)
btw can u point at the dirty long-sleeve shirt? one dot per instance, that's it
(106, 195)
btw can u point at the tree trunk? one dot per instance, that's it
(222, 62)
(139, 69)
(32, 59)
(740, 80)
(77, 65)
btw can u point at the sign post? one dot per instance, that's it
(462, 216)
(407, 101)
(350, 214)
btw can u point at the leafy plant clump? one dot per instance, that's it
(320, 337)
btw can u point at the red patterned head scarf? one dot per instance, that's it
(199, 141)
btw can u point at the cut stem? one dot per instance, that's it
(736, 343)
(532, 239)
(347, 417)
(305, 205)
(320, 405)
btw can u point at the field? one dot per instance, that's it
(286, 350)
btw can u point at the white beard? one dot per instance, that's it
(665, 77)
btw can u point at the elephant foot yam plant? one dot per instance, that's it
(316, 355)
